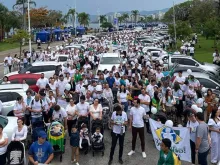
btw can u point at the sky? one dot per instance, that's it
(104, 6)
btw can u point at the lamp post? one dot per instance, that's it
(174, 24)
(98, 12)
(29, 26)
(75, 19)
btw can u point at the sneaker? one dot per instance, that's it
(144, 155)
(77, 163)
(131, 153)
(120, 161)
(110, 162)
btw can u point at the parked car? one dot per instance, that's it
(187, 61)
(31, 80)
(9, 124)
(8, 95)
(46, 67)
(108, 60)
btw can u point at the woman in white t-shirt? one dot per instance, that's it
(71, 115)
(19, 107)
(122, 97)
(20, 132)
(52, 85)
(107, 92)
(96, 110)
(3, 145)
(117, 79)
(168, 103)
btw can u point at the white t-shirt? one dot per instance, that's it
(22, 135)
(1, 106)
(145, 98)
(61, 86)
(36, 106)
(9, 60)
(200, 102)
(83, 109)
(150, 90)
(53, 87)
(60, 115)
(3, 149)
(42, 82)
(159, 76)
(18, 108)
(119, 119)
(71, 109)
(191, 50)
(138, 116)
(95, 112)
(123, 96)
(193, 127)
(91, 88)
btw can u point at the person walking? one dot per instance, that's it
(203, 140)
(137, 115)
(119, 121)
(74, 143)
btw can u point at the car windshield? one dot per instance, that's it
(214, 79)
(62, 59)
(3, 121)
(24, 70)
(110, 60)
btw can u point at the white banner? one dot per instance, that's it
(179, 136)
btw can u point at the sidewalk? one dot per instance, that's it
(17, 50)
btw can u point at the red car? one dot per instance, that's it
(31, 80)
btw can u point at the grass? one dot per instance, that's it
(7, 46)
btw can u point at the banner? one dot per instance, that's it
(179, 136)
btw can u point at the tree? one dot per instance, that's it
(149, 19)
(3, 17)
(71, 14)
(107, 25)
(54, 18)
(142, 19)
(120, 19)
(102, 19)
(135, 13)
(183, 30)
(211, 28)
(19, 37)
(39, 17)
(13, 21)
(22, 5)
(83, 19)
(125, 16)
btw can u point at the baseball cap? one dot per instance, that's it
(42, 134)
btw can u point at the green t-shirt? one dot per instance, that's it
(77, 77)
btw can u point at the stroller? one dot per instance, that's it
(56, 136)
(106, 114)
(97, 146)
(16, 153)
(85, 144)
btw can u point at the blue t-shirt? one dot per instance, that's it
(110, 81)
(41, 152)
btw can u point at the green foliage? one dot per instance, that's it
(183, 30)
(211, 28)
(102, 19)
(107, 25)
(83, 19)
(71, 15)
(135, 13)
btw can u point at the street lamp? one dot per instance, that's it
(75, 18)
(29, 26)
(174, 24)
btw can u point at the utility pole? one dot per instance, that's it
(75, 18)
(98, 12)
(174, 25)
(29, 26)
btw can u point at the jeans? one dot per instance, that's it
(139, 131)
(36, 119)
(125, 104)
(202, 158)
(193, 148)
(115, 138)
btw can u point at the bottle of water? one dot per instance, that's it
(122, 130)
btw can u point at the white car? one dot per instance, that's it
(108, 60)
(46, 67)
(8, 96)
(9, 124)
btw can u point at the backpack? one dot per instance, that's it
(41, 102)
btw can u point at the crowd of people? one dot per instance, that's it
(138, 85)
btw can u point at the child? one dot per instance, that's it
(84, 134)
(97, 136)
(74, 142)
(166, 155)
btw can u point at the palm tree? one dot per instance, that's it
(125, 16)
(135, 13)
(71, 13)
(120, 19)
(21, 5)
(83, 19)
(102, 19)
(3, 15)
(142, 19)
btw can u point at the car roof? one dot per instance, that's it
(42, 63)
(180, 56)
(5, 87)
(110, 55)
(197, 75)
(30, 75)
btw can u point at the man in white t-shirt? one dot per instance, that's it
(36, 108)
(60, 86)
(191, 51)
(10, 61)
(59, 114)
(137, 115)
(150, 88)
(82, 107)
(145, 102)
(42, 82)
(159, 74)
(119, 121)
(180, 79)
